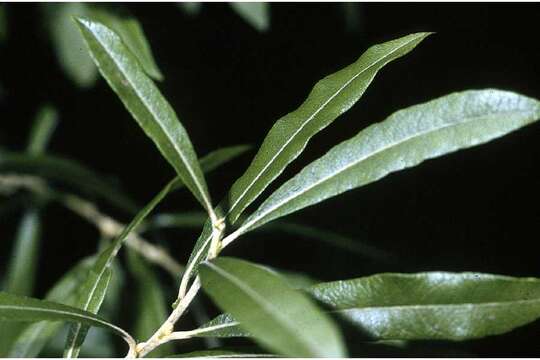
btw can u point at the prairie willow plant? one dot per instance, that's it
(282, 315)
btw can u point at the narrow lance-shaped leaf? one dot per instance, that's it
(22, 308)
(433, 305)
(280, 318)
(66, 171)
(22, 265)
(146, 104)
(131, 33)
(34, 337)
(405, 139)
(191, 8)
(257, 14)
(96, 284)
(92, 288)
(330, 97)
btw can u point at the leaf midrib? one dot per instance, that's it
(246, 226)
(150, 110)
(312, 116)
(268, 307)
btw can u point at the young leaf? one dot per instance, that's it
(433, 305)
(280, 318)
(34, 337)
(131, 33)
(329, 98)
(146, 104)
(257, 14)
(405, 139)
(68, 44)
(151, 310)
(95, 285)
(22, 308)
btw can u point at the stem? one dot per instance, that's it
(166, 329)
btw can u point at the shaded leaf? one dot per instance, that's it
(35, 336)
(68, 43)
(66, 171)
(191, 8)
(433, 305)
(257, 14)
(151, 309)
(42, 130)
(95, 285)
(3, 23)
(146, 104)
(22, 308)
(403, 140)
(280, 318)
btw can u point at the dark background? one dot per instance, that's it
(475, 210)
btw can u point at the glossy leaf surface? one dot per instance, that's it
(433, 305)
(280, 318)
(146, 104)
(223, 353)
(329, 98)
(403, 140)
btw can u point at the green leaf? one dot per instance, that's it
(23, 261)
(22, 308)
(223, 353)
(146, 104)
(131, 33)
(191, 8)
(257, 14)
(42, 130)
(280, 318)
(433, 305)
(95, 285)
(151, 309)
(403, 140)
(35, 336)
(330, 97)
(68, 172)
(223, 326)
(68, 43)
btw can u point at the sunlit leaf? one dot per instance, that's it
(403, 140)
(146, 104)
(329, 98)
(433, 305)
(279, 318)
